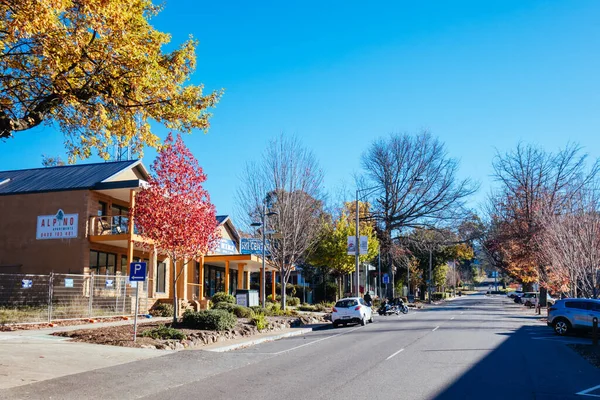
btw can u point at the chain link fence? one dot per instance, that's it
(27, 298)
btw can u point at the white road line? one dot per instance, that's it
(587, 391)
(452, 318)
(396, 353)
(435, 329)
(315, 341)
(462, 312)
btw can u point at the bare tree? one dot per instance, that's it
(570, 245)
(289, 180)
(416, 186)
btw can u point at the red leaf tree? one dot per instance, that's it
(174, 212)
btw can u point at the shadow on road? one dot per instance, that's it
(525, 368)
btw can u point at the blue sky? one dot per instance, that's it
(480, 75)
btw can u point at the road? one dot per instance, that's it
(475, 347)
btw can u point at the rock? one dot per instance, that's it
(178, 346)
(148, 346)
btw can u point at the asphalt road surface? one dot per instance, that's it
(474, 347)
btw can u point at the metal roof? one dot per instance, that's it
(67, 177)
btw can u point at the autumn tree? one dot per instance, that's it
(532, 184)
(331, 252)
(174, 211)
(289, 179)
(96, 69)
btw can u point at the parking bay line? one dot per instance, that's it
(435, 329)
(586, 392)
(314, 341)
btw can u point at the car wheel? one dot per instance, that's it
(561, 326)
(363, 321)
(335, 325)
(371, 319)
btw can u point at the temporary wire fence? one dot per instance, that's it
(28, 298)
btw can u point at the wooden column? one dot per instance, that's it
(201, 278)
(240, 276)
(130, 231)
(152, 273)
(227, 276)
(247, 283)
(273, 285)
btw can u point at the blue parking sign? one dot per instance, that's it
(386, 278)
(137, 272)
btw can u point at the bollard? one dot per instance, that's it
(595, 331)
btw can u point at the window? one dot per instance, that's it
(161, 276)
(123, 265)
(581, 305)
(120, 218)
(101, 208)
(102, 263)
(346, 303)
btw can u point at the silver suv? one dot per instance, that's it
(569, 315)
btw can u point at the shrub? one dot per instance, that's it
(277, 298)
(307, 307)
(438, 296)
(242, 312)
(260, 321)
(223, 297)
(292, 301)
(224, 306)
(214, 320)
(162, 310)
(164, 332)
(260, 310)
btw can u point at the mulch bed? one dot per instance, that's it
(123, 335)
(589, 352)
(42, 325)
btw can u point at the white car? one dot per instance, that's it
(351, 310)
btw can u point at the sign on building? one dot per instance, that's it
(59, 226)
(226, 246)
(254, 246)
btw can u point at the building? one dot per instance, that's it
(75, 219)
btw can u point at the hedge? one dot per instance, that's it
(212, 320)
(238, 310)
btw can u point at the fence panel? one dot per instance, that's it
(70, 296)
(24, 298)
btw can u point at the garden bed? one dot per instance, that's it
(123, 335)
(589, 352)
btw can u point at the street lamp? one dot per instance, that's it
(357, 238)
(263, 275)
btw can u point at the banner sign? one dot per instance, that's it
(59, 226)
(351, 245)
(254, 246)
(226, 246)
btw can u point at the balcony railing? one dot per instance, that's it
(109, 225)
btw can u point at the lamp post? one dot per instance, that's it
(357, 238)
(263, 275)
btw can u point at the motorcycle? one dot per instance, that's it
(393, 308)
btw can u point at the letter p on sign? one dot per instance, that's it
(137, 272)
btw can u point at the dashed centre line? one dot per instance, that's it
(435, 329)
(396, 353)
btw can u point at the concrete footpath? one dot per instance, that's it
(30, 356)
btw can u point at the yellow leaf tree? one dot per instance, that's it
(96, 69)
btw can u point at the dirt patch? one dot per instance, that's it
(123, 335)
(42, 325)
(589, 352)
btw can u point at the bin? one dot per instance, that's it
(246, 297)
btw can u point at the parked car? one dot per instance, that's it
(514, 294)
(351, 310)
(569, 315)
(530, 299)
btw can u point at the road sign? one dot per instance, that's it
(137, 272)
(386, 279)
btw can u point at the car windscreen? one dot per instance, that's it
(346, 303)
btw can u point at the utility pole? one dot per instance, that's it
(430, 275)
(379, 267)
(357, 248)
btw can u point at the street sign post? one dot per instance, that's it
(386, 279)
(137, 273)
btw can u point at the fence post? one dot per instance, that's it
(595, 331)
(91, 294)
(50, 295)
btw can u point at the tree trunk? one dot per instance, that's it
(174, 289)
(283, 294)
